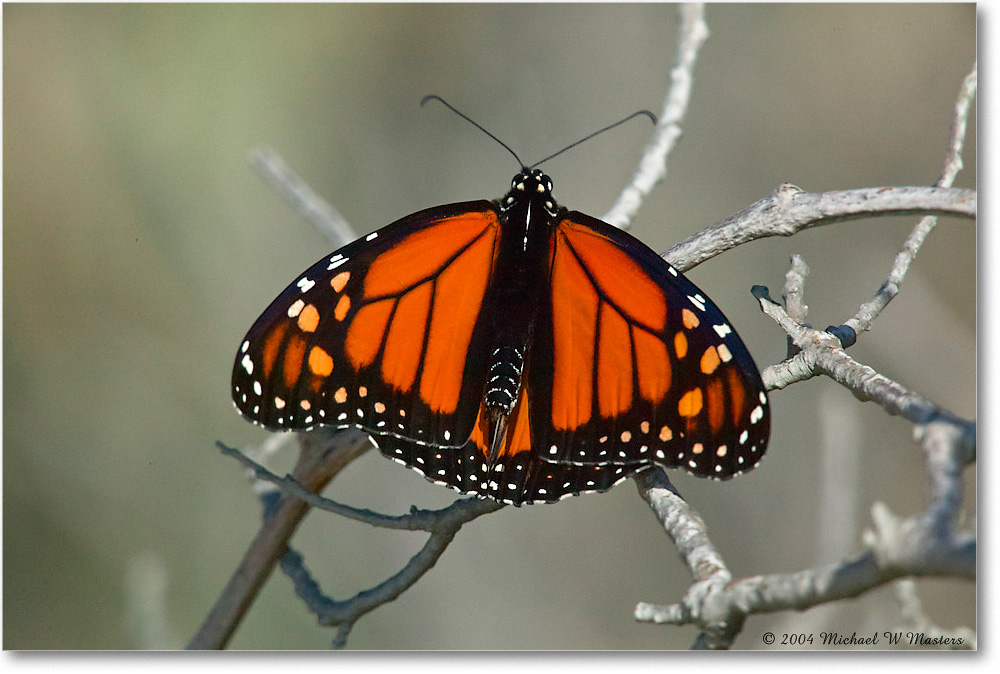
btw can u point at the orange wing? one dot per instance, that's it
(384, 334)
(632, 364)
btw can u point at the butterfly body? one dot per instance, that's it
(511, 349)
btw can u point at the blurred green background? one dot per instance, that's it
(139, 247)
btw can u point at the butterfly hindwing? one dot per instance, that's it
(385, 333)
(632, 364)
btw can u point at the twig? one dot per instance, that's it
(789, 210)
(415, 520)
(869, 311)
(323, 455)
(301, 197)
(918, 546)
(792, 294)
(708, 570)
(917, 624)
(822, 353)
(442, 525)
(692, 32)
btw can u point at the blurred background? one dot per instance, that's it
(139, 247)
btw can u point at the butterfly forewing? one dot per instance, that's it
(632, 364)
(368, 336)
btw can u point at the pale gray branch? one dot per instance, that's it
(442, 526)
(869, 311)
(789, 210)
(926, 545)
(917, 622)
(301, 197)
(415, 520)
(692, 32)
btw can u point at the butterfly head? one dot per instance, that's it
(531, 185)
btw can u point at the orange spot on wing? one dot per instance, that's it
(423, 254)
(689, 318)
(320, 362)
(295, 353)
(341, 395)
(680, 344)
(709, 360)
(458, 300)
(614, 364)
(690, 403)
(666, 434)
(308, 319)
(618, 276)
(652, 365)
(272, 345)
(574, 320)
(340, 280)
(364, 336)
(343, 306)
(715, 404)
(405, 341)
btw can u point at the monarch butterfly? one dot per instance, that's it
(511, 349)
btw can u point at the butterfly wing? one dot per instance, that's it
(633, 365)
(385, 334)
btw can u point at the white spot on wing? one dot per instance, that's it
(722, 330)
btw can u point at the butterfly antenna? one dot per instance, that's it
(472, 122)
(647, 113)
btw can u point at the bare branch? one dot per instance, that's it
(789, 210)
(324, 453)
(917, 622)
(441, 524)
(415, 520)
(301, 197)
(821, 353)
(792, 294)
(870, 310)
(343, 614)
(693, 31)
(688, 532)
(920, 546)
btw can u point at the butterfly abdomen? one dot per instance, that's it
(504, 381)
